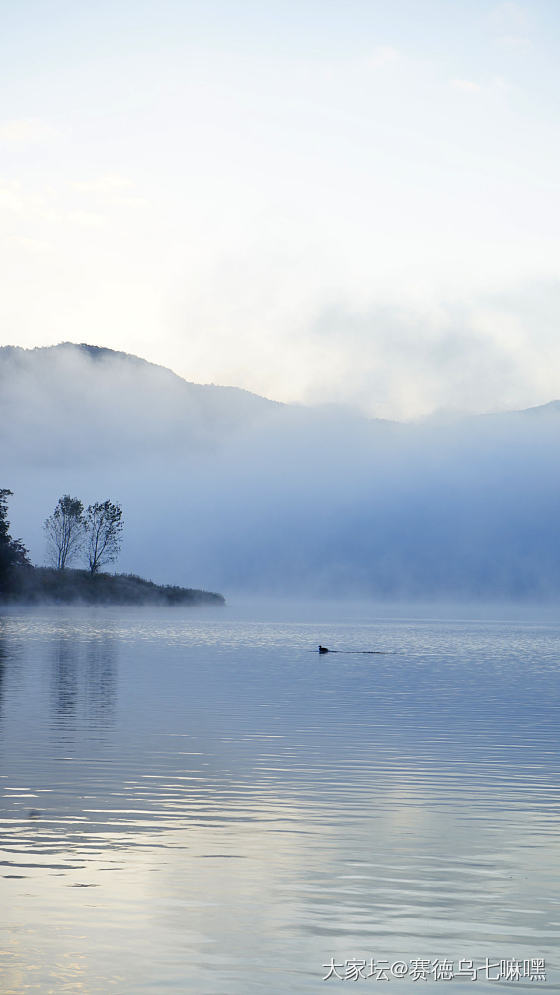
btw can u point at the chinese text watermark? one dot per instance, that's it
(440, 969)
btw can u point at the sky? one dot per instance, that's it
(353, 203)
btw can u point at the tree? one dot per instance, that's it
(103, 527)
(12, 551)
(65, 530)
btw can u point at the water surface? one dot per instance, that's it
(197, 802)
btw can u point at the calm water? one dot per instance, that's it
(222, 810)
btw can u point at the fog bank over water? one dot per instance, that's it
(233, 492)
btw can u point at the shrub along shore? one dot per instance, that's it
(32, 585)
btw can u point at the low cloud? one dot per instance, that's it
(226, 491)
(497, 351)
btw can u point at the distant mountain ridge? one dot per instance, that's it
(51, 390)
(103, 353)
(232, 491)
(99, 354)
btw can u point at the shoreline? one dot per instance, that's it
(46, 585)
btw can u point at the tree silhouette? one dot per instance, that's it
(103, 527)
(65, 530)
(12, 551)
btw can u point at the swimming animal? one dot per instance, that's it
(325, 649)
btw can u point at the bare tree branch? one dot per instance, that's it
(103, 525)
(64, 530)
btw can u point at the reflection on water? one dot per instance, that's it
(207, 805)
(64, 667)
(2, 672)
(83, 679)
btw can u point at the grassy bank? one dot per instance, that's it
(31, 585)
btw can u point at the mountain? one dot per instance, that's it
(57, 393)
(230, 491)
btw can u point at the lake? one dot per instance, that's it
(196, 801)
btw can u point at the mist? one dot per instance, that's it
(231, 492)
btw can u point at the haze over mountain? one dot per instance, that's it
(231, 491)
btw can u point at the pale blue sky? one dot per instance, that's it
(354, 202)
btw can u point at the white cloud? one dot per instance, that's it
(497, 350)
(32, 245)
(496, 86)
(33, 205)
(384, 55)
(466, 85)
(89, 219)
(514, 42)
(106, 185)
(512, 25)
(10, 197)
(26, 130)
(510, 17)
(111, 189)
